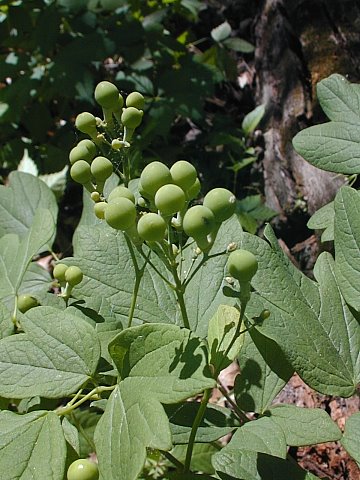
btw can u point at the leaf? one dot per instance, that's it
(162, 364)
(103, 255)
(32, 446)
(6, 324)
(201, 456)
(347, 244)
(264, 372)
(222, 329)
(216, 423)
(326, 358)
(27, 164)
(71, 435)
(350, 440)
(304, 426)
(221, 32)
(249, 465)
(252, 119)
(323, 219)
(239, 45)
(55, 356)
(56, 181)
(20, 201)
(204, 293)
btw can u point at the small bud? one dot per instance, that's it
(231, 247)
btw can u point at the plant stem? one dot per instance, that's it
(194, 428)
(242, 416)
(70, 407)
(172, 459)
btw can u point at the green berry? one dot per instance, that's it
(25, 302)
(59, 272)
(131, 117)
(99, 209)
(83, 469)
(198, 221)
(73, 275)
(221, 202)
(242, 265)
(194, 190)
(95, 196)
(151, 227)
(86, 123)
(79, 153)
(170, 199)
(107, 95)
(135, 99)
(80, 172)
(121, 191)
(120, 214)
(101, 168)
(183, 174)
(154, 176)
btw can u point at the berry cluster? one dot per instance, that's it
(68, 277)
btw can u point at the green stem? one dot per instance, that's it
(205, 258)
(156, 269)
(199, 416)
(70, 407)
(83, 432)
(237, 410)
(172, 459)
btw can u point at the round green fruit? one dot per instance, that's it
(73, 275)
(107, 95)
(99, 210)
(80, 172)
(170, 199)
(194, 190)
(242, 265)
(131, 117)
(121, 192)
(151, 227)
(79, 153)
(120, 214)
(86, 123)
(154, 176)
(198, 221)
(221, 202)
(135, 99)
(59, 272)
(83, 469)
(25, 302)
(183, 174)
(90, 147)
(101, 168)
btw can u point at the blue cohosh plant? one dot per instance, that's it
(162, 293)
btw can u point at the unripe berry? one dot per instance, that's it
(131, 117)
(101, 168)
(107, 95)
(198, 221)
(90, 147)
(99, 210)
(170, 199)
(221, 202)
(242, 265)
(80, 172)
(151, 227)
(120, 214)
(73, 275)
(86, 123)
(183, 174)
(121, 191)
(135, 99)
(59, 272)
(25, 302)
(95, 196)
(79, 153)
(194, 190)
(83, 469)
(154, 176)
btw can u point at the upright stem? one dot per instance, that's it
(194, 428)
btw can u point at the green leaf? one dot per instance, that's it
(252, 119)
(216, 423)
(103, 255)
(239, 45)
(304, 426)
(221, 32)
(221, 331)
(6, 324)
(339, 99)
(204, 293)
(347, 244)
(162, 364)
(350, 440)
(326, 359)
(20, 201)
(323, 219)
(32, 446)
(201, 456)
(248, 465)
(55, 356)
(71, 434)
(56, 181)
(264, 372)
